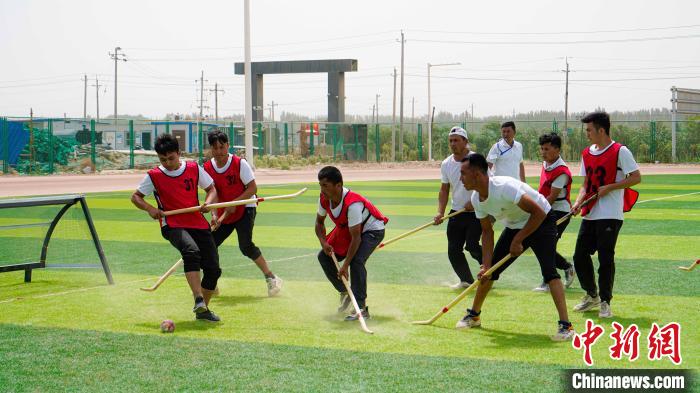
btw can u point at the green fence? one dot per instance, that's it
(58, 145)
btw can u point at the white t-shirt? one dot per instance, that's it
(610, 206)
(246, 172)
(450, 174)
(506, 159)
(502, 203)
(356, 214)
(560, 182)
(146, 186)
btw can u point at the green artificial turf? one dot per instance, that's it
(68, 330)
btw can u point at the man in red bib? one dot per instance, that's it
(234, 181)
(555, 185)
(359, 229)
(609, 169)
(174, 185)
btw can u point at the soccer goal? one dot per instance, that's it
(49, 232)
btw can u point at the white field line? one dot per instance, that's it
(68, 292)
(669, 197)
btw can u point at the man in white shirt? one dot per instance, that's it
(506, 156)
(463, 230)
(609, 169)
(359, 229)
(525, 213)
(555, 185)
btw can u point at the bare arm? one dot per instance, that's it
(320, 229)
(537, 216)
(553, 194)
(522, 172)
(139, 202)
(629, 181)
(442, 202)
(486, 245)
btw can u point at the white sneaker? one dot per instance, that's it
(569, 275)
(468, 322)
(345, 302)
(564, 333)
(274, 285)
(605, 311)
(544, 287)
(460, 285)
(587, 303)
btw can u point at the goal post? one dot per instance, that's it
(20, 228)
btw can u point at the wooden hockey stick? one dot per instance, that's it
(412, 231)
(361, 318)
(163, 277)
(234, 203)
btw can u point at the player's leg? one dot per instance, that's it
(607, 233)
(210, 269)
(456, 235)
(181, 240)
(500, 250)
(244, 231)
(586, 244)
(358, 273)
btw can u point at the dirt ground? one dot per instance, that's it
(12, 185)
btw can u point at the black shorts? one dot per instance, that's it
(195, 245)
(542, 241)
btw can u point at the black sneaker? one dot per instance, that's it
(355, 317)
(199, 305)
(208, 316)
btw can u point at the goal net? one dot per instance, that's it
(49, 232)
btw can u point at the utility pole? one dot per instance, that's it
(250, 157)
(116, 56)
(376, 105)
(373, 109)
(272, 110)
(97, 97)
(216, 100)
(84, 97)
(403, 41)
(566, 99)
(413, 109)
(201, 96)
(393, 123)
(472, 115)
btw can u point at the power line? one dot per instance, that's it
(606, 41)
(559, 32)
(374, 34)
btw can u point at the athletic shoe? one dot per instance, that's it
(569, 275)
(469, 321)
(344, 302)
(605, 311)
(587, 303)
(274, 285)
(544, 287)
(460, 285)
(355, 317)
(564, 333)
(199, 306)
(208, 316)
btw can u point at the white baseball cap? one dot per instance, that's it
(458, 131)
